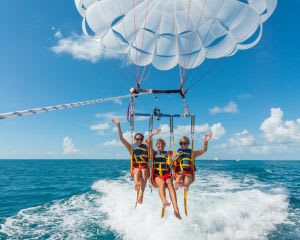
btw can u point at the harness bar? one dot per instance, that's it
(138, 90)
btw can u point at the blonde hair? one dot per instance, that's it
(185, 138)
(161, 140)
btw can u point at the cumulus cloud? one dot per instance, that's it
(69, 147)
(80, 47)
(127, 135)
(100, 128)
(185, 130)
(110, 115)
(243, 138)
(277, 130)
(218, 130)
(231, 107)
(260, 149)
(112, 143)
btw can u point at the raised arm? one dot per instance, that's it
(122, 139)
(202, 150)
(149, 142)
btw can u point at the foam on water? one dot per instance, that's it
(74, 218)
(220, 207)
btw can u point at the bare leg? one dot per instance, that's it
(173, 197)
(178, 181)
(145, 177)
(137, 178)
(162, 191)
(187, 182)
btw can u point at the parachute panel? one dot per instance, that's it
(158, 32)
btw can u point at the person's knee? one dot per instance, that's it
(145, 175)
(169, 182)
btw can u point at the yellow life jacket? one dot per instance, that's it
(140, 154)
(160, 165)
(184, 162)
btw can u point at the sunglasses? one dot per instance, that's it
(183, 143)
(139, 139)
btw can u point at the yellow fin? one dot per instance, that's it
(185, 202)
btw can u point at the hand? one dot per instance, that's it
(148, 140)
(207, 137)
(156, 131)
(116, 122)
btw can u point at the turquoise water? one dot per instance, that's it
(94, 199)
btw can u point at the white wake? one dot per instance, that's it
(220, 207)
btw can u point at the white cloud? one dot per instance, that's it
(110, 115)
(276, 130)
(127, 136)
(243, 138)
(81, 47)
(69, 147)
(100, 128)
(260, 149)
(58, 34)
(112, 143)
(218, 130)
(231, 107)
(185, 130)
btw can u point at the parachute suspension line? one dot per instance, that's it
(207, 33)
(148, 73)
(211, 68)
(172, 140)
(119, 44)
(185, 193)
(235, 14)
(141, 78)
(186, 38)
(198, 25)
(136, 56)
(192, 134)
(151, 147)
(145, 23)
(137, 71)
(204, 75)
(128, 58)
(178, 50)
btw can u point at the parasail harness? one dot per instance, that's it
(157, 114)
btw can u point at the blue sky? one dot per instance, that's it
(249, 100)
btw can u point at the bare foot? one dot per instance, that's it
(140, 198)
(177, 215)
(166, 204)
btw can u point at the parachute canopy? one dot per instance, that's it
(167, 33)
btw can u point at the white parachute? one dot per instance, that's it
(167, 33)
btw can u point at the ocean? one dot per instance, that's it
(94, 199)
